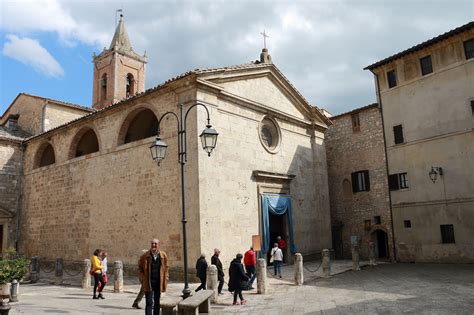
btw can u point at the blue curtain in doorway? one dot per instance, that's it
(276, 204)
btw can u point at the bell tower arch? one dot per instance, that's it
(119, 72)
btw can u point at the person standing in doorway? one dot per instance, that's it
(250, 261)
(201, 271)
(153, 268)
(220, 272)
(237, 279)
(97, 271)
(277, 255)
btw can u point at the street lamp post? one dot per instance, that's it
(158, 152)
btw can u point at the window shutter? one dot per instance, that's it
(393, 182)
(398, 134)
(354, 182)
(367, 180)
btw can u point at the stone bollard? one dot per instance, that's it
(58, 272)
(299, 278)
(326, 263)
(118, 276)
(86, 276)
(35, 271)
(261, 276)
(14, 291)
(211, 281)
(355, 257)
(372, 254)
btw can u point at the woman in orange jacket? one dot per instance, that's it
(97, 272)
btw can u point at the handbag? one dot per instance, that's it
(271, 257)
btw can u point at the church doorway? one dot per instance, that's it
(381, 243)
(278, 227)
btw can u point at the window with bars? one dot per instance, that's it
(469, 48)
(398, 134)
(360, 181)
(392, 78)
(447, 233)
(426, 65)
(398, 181)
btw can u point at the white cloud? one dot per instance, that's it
(31, 53)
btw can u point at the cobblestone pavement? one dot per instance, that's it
(383, 289)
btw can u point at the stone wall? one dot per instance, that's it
(348, 152)
(55, 115)
(10, 165)
(116, 199)
(229, 194)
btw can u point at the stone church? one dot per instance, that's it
(76, 179)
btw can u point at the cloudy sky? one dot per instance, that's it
(46, 46)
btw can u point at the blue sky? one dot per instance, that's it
(46, 46)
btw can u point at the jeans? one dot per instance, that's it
(221, 284)
(139, 296)
(153, 301)
(251, 273)
(277, 267)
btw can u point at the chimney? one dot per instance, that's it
(12, 122)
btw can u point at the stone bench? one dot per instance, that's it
(198, 303)
(168, 304)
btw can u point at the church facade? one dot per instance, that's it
(91, 183)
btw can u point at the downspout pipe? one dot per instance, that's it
(19, 195)
(379, 100)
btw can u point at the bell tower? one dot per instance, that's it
(119, 72)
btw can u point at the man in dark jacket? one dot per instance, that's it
(220, 272)
(153, 268)
(238, 280)
(201, 270)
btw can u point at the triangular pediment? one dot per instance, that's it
(266, 86)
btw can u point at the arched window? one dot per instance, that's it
(130, 85)
(139, 124)
(103, 87)
(87, 143)
(45, 155)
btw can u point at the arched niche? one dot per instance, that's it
(45, 155)
(85, 142)
(139, 124)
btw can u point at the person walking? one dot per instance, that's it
(142, 291)
(277, 255)
(220, 272)
(201, 271)
(104, 261)
(153, 269)
(250, 262)
(237, 279)
(97, 271)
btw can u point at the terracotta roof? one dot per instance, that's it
(356, 110)
(418, 47)
(250, 65)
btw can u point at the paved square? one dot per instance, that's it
(384, 289)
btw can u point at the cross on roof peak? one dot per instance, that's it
(265, 36)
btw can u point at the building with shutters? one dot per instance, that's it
(426, 95)
(358, 188)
